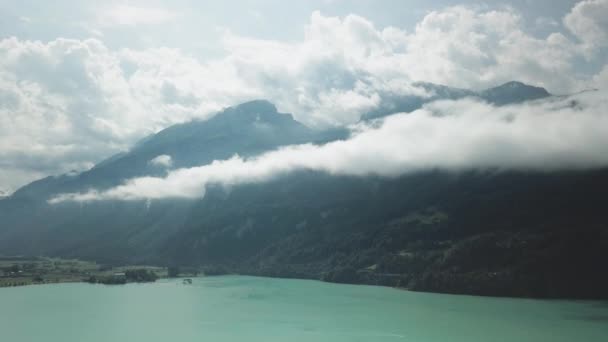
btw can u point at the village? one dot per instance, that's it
(20, 271)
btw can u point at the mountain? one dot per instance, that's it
(32, 226)
(513, 92)
(509, 93)
(509, 233)
(493, 233)
(247, 130)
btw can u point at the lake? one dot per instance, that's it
(238, 308)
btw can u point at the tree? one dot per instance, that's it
(141, 275)
(173, 271)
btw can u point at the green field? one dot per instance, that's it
(18, 271)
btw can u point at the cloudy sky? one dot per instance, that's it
(81, 80)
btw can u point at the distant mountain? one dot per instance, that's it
(513, 92)
(507, 233)
(508, 93)
(248, 129)
(32, 226)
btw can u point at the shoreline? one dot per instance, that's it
(26, 271)
(553, 299)
(84, 281)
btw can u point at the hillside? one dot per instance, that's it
(477, 232)
(514, 234)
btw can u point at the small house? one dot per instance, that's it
(119, 276)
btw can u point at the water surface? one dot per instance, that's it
(237, 308)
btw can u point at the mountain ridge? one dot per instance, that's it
(512, 92)
(253, 111)
(530, 233)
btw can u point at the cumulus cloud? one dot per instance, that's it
(588, 20)
(65, 104)
(162, 160)
(347, 66)
(68, 103)
(550, 135)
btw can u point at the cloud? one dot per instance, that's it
(65, 104)
(601, 80)
(467, 48)
(346, 66)
(588, 20)
(563, 134)
(162, 160)
(128, 15)
(546, 23)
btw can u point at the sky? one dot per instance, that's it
(82, 80)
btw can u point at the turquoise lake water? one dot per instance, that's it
(237, 308)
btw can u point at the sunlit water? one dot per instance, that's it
(235, 308)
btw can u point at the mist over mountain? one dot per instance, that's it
(517, 230)
(508, 93)
(236, 170)
(248, 129)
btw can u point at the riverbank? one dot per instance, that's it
(22, 271)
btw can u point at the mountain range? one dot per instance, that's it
(509, 233)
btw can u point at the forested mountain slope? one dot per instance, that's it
(480, 232)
